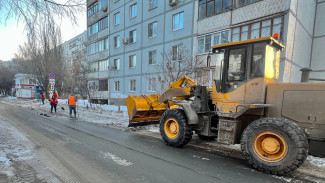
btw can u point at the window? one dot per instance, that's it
(216, 38)
(152, 56)
(241, 3)
(133, 11)
(257, 67)
(153, 4)
(93, 29)
(132, 61)
(117, 64)
(116, 41)
(133, 36)
(92, 48)
(103, 65)
(178, 21)
(176, 53)
(152, 84)
(255, 30)
(258, 29)
(152, 29)
(236, 69)
(103, 44)
(103, 85)
(93, 66)
(102, 4)
(117, 86)
(208, 8)
(103, 24)
(132, 86)
(117, 19)
(92, 9)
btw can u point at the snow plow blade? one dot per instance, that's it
(144, 109)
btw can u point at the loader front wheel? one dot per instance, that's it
(174, 128)
(274, 145)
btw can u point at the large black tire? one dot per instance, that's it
(295, 138)
(185, 132)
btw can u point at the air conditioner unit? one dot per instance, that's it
(173, 2)
(105, 9)
(125, 40)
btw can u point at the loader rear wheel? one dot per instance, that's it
(174, 128)
(274, 145)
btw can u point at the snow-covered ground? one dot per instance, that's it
(116, 116)
(18, 161)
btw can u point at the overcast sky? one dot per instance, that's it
(12, 34)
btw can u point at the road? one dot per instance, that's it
(78, 151)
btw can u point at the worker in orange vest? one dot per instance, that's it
(54, 102)
(72, 101)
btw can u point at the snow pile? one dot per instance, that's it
(86, 103)
(316, 161)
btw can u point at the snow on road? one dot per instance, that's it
(18, 162)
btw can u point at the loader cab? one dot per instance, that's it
(239, 62)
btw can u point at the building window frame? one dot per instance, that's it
(132, 61)
(152, 57)
(215, 11)
(132, 85)
(117, 63)
(152, 29)
(92, 9)
(133, 36)
(260, 28)
(152, 84)
(103, 85)
(216, 39)
(117, 41)
(117, 86)
(153, 4)
(176, 56)
(178, 21)
(246, 3)
(133, 10)
(117, 18)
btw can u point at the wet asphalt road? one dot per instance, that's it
(94, 153)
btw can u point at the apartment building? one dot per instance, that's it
(75, 48)
(222, 21)
(141, 31)
(98, 49)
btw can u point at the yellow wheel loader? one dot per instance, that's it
(277, 124)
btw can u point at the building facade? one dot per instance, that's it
(141, 31)
(25, 87)
(98, 50)
(75, 49)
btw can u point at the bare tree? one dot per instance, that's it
(33, 12)
(78, 71)
(177, 62)
(42, 55)
(6, 79)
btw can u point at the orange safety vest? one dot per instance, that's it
(55, 100)
(72, 101)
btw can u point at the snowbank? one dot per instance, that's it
(85, 103)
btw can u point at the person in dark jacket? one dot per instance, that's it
(43, 98)
(54, 102)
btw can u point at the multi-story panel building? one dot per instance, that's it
(75, 48)
(236, 20)
(97, 49)
(141, 31)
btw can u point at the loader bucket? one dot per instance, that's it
(144, 108)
